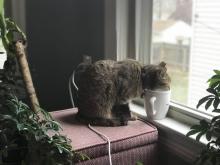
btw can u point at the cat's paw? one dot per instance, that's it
(124, 122)
(133, 118)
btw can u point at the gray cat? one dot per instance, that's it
(106, 86)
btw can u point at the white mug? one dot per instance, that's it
(156, 103)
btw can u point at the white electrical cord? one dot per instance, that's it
(71, 80)
(106, 138)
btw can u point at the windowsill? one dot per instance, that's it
(169, 123)
(165, 123)
(172, 134)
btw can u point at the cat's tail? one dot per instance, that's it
(100, 121)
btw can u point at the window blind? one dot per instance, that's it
(205, 48)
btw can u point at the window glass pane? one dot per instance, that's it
(2, 55)
(186, 35)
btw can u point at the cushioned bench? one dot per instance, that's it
(136, 142)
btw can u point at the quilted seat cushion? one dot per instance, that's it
(135, 134)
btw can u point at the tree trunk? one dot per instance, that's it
(22, 60)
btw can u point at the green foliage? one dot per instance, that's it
(38, 136)
(139, 163)
(10, 79)
(211, 130)
(26, 137)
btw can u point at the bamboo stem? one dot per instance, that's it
(21, 56)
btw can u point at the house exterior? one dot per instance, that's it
(171, 42)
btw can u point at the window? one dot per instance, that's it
(183, 33)
(2, 56)
(186, 35)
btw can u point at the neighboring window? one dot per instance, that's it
(2, 55)
(186, 35)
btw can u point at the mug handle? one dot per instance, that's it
(152, 101)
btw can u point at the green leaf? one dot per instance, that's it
(213, 83)
(208, 135)
(139, 163)
(2, 22)
(213, 91)
(217, 130)
(14, 28)
(217, 71)
(208, 104)
(216, 102)
(8, 117)
(200, 135)
(197, 127)
(45, 114)
(60, 149)
(56, 126)
(214, 77)
(215, 118)
(204, 124)
(192, 132)
(203, 100)
(216, 110)
(3, 138)
(2, 7)
(82, 156)
(10, 36)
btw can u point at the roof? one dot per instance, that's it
(161, 25)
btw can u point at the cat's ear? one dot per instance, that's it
(163, 64)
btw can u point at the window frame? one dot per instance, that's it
(177, 111)
(142, 46)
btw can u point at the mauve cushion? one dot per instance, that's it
(135, 134)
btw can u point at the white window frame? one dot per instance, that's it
(143, 31)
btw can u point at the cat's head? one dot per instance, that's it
(155, 77)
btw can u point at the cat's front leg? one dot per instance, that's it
(122, 111)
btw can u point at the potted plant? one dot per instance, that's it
(27, 138)
(28, 135)
(211, 129)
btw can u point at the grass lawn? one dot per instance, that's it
(179, 85)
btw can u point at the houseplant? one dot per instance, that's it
(26, 138)
(211, 129)
(28, 135)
